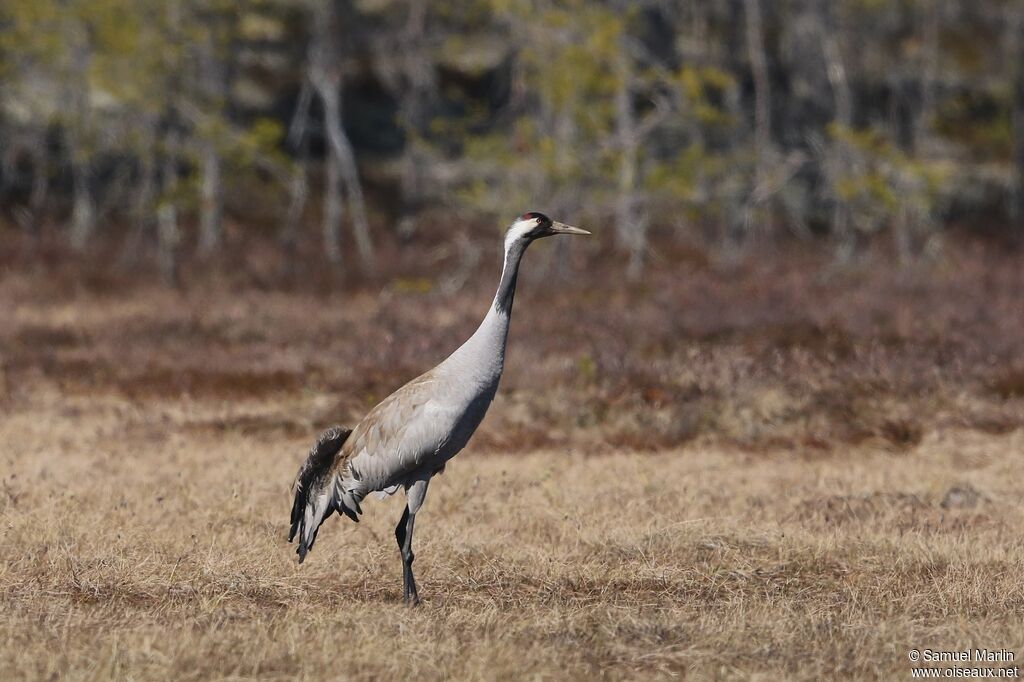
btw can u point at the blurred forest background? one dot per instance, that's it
(142, 133)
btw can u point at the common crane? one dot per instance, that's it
(407, 438)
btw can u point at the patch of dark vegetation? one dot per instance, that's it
(77, 372)
(78, 375)
(993, 424)
(847, 413)
(46, 337)
(829, 340)
(516, 438)
(152, 331)
(211, 383)
(902, 433)
(253, 425)
(652, 440)
(1009, 384)
(662, 394)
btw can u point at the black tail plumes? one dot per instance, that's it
(310, 509)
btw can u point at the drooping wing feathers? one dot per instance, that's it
(318, 490)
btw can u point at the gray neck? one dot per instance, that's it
(483, 354)
(510, 272)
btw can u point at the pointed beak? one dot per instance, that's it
(562, 228)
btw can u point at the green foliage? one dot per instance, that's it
(574, 59)
(261, 140)
(605, 113)
(877, 179)
(699, 84)
(980, 122)
(561, 141)
(31, 31)
(586, 368)
(133, 64)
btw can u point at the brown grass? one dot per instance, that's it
(741, 475)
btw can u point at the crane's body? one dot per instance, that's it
(430, 419)
(411, 434)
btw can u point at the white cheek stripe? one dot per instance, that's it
(518, 229)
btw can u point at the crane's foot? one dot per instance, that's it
(409, 595)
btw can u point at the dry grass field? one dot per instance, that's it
(758, 474)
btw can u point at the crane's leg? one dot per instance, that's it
(403, 534)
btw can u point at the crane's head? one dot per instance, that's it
(533, 225)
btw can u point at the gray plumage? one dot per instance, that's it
(411, 434)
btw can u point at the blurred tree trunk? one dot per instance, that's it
(343, 155)
(144, 194)
(629, 225)
(83, 211)
(325, 75)
(167, 242)
(755, 222)
(211, 200)
(168, 233)
(404, 63)
(298, 192)
(1017, 75)
(419, 88)
(332, 210)
(832, 28)
(212, 84)
(30, 220)
(930, 18)
(298, 184)
(565, 197)
(911, 222)
(40, 183)
(762, 89)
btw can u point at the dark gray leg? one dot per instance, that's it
(403, 534)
